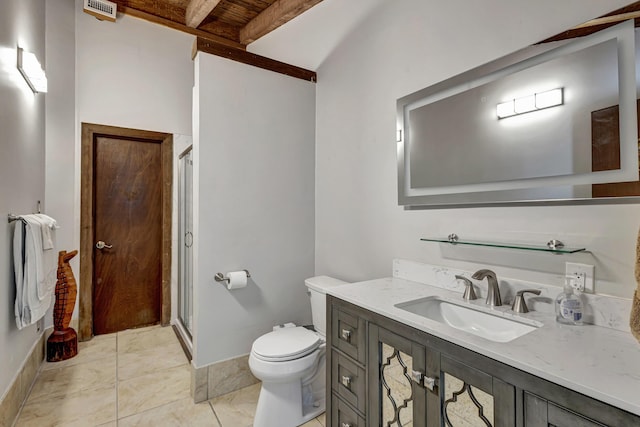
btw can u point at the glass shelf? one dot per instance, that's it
(554, 246)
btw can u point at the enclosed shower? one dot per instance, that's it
(185, 244)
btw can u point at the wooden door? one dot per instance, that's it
(127, 279)
(126, 205)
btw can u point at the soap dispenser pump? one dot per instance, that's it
(568, 305)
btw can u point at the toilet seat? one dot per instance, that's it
(286, 344)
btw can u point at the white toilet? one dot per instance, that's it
(290, 362)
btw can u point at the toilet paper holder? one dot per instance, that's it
(219, 277)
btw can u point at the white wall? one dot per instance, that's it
(22, 141)
(60, 126)
(133, 73)
(130, 73)
(254, 203)
(396, 51)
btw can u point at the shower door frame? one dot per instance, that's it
(181, 241)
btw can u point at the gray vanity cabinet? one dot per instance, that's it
(411, 384)
(397, 368)
(346, 373)
(385, 373)
(471, 397)
(539, 412)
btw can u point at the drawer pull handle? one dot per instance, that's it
(429, 382)
(417, 376)
(346, 425)
(346, 381)
(346, 335)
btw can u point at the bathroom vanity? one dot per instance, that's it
(388, 366)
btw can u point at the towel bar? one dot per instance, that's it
(13, 217)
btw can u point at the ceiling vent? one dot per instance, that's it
(101, 9)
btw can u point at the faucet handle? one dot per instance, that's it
(469, 292)
(519, 304)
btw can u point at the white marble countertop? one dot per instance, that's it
(599, 362)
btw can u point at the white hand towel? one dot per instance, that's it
(48, 224)
(18, 268)
(35, 271)
(634, 320)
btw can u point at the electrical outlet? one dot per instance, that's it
(582, 273)
(577, 281)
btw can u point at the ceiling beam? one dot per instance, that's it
(198, 10)
(279, 13)
(180, 27)
(589, 27)
(612, 19)
(238, 55)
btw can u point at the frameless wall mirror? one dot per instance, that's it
(552, 123)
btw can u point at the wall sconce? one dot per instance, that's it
(32, 71)
(527, 104)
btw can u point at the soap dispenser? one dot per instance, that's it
(568, 305)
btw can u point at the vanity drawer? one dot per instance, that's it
(343, 416)
(349, 334)
(349, 381)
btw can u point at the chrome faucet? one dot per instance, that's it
(469, 292)
(493, 293)
(519, 304)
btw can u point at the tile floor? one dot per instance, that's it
(138, 377)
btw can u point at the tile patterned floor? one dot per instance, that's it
(138, 377)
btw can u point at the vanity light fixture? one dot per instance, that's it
(527, 104)
(32, 71)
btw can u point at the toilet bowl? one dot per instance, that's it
(291, 363)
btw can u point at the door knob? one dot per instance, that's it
(102, 245)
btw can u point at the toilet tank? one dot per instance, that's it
(317, 287)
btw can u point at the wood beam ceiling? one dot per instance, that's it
(239, 55)
(614, 19)
(198, 10)
(631, 11)
(279, 13)
(180, 27)
(225, 27)
(232, 22)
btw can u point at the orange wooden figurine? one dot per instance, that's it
(63, 342)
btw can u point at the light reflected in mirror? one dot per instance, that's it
(478, 147)
(560, 131)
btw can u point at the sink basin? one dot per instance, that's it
(470, 319)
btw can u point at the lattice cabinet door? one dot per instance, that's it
(397, 370)
(472, 398)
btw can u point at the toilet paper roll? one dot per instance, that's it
(237, 279)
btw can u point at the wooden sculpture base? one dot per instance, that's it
(62, 345)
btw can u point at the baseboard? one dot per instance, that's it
(18, 392)
(221, 378)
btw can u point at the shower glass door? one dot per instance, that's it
(185, 246)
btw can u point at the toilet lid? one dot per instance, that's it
(286, 344)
